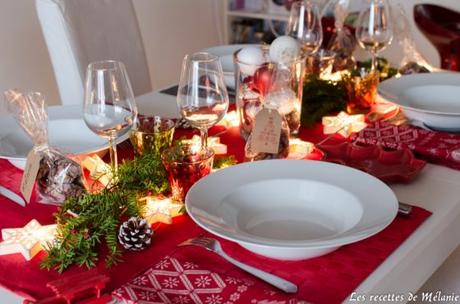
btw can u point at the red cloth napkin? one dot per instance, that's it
(435, 147)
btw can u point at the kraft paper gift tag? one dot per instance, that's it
(30, 174)
(265, 137)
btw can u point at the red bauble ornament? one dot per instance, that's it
(263, 78)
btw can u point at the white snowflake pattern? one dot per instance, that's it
(190, 265)
(232, 280)
(242, 288)
(163, 264)
(234, 296)
(269, 292)
(214, 299)
(202, 281)
(119, 291)
(147, 296)
(248, 282)
(267, 301)
(170, 282)
(181, 300)
(142, 280)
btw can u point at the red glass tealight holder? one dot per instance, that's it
(185, 165)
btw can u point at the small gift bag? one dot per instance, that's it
(409, 59)
(57, 176)
(342, 42)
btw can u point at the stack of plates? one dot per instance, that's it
(225, 54)
(432, 100)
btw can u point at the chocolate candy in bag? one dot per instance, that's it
(58, 177)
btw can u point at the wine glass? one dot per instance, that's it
(202, 97)
(109, 109)
(305, 25)
(374, 30)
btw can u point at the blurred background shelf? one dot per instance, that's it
(257, 15)
(253, 21)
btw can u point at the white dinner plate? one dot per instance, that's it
(291, 209)
(225, 54)
(432, 99)
(66, 131)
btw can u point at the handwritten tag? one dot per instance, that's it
(30, 174)
(265, 136)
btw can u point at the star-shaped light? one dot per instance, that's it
(28, 240)
(299, 149)
(213, 143)
(343, 124)
(161, 210)
(98, 169)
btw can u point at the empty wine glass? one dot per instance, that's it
(109, 109)
(374, 30)
(202, 97)
(305, 25)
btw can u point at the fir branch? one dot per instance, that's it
(320, 98)
(224, 162)
(386, 71)
(80, 237)
(143, 174)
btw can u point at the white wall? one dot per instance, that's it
(170, 29)
(24, 61)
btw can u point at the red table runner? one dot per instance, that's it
(327, 279)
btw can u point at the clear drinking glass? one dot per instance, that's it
(152, 134)
(109, 109)
(202, 97)
(254, 82)
(374, 30)
(305, 25)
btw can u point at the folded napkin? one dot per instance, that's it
(185, 277)
(435, 147)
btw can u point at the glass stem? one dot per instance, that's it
(113, 156)
(204, 138)
(374, 62)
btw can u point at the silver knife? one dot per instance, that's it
(12, 196)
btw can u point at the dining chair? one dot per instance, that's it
(78, 32)
(441, 26)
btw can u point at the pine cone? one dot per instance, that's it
(135, 234)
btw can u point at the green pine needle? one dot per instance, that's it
(224, 162)
(80, 238)
(320, 98)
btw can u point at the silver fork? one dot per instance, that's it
(214, 246)
(404, 209)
